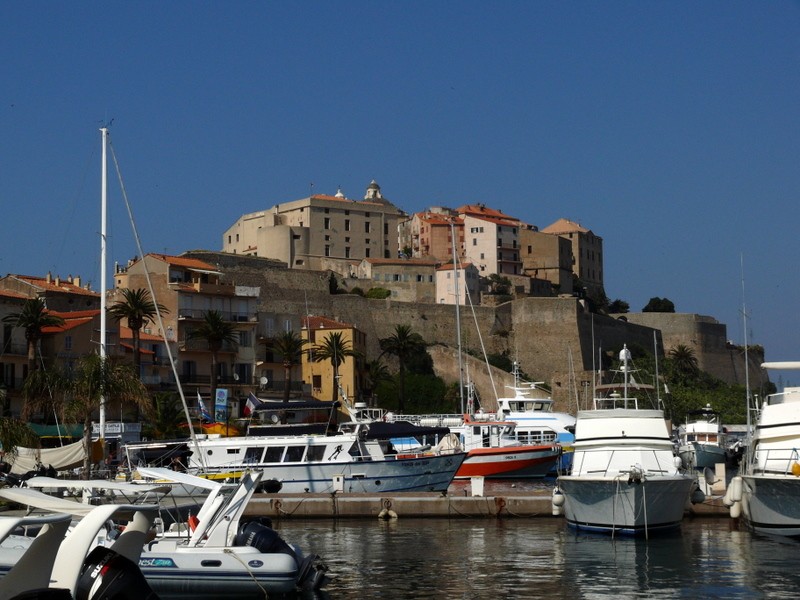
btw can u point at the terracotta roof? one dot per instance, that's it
(180, 261)
(125, 333)
(565, 226)
(483, 211)
(141, 350)
(14, 295)
(62, 286)
(323, 323)
(437, 219)
(449, 267)
(68, 325)
(347, 200)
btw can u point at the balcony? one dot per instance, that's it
(197, 314)
(200, 345)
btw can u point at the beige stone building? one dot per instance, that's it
(587, 253)
(409, 280)
(320, 232)
(462, 282)
(547, 257)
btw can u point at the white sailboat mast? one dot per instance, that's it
(103, 219)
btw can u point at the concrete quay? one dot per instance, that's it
(425, 505)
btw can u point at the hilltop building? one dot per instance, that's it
(320, 232)
(587, 254)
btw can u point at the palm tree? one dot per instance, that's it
(335, 349)
(217, 332)
(684, 361)
(290, 346)
(403, 344)
(377, 373)
(168, 419)
(137, 308)
(15, 433)
(77, 393)
(33, 317)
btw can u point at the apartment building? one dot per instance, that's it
(587, 253)
(458, 284)
(188, 288)
(430, 234)
(491, 240)
(320, 232)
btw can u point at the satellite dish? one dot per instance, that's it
(236, 377)
(709, 476)
(264, 381)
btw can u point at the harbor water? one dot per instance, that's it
(543, 558)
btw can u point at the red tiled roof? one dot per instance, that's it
(437, 219)
(481, 210)
(323, 323)
(565, 226)
(14, 295)
(126, 333)
(180, 261)
(449, 266)
(63, 285)
(141, 350)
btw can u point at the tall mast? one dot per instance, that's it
(103, 203)
(458, 315)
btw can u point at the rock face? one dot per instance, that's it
(555, 340)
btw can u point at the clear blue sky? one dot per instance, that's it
(671, 129)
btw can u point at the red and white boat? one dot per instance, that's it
(492, 450)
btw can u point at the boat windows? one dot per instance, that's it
(233, 450)
(273, 454)
(294, 454)
(315, 453)
(253, 455)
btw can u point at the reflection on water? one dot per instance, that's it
(541, 557)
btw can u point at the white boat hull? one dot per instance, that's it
(701, 456)
(428, 473)
(613, 505)
(771, 504)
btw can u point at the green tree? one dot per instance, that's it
(335, 349)
(289, 345)
(404, 344)
(33, 317)
(619, 306)
(137, 308)
(15, 434)
(77, 392)
(662, 305)
(377, 373)
(216, 332)
(684, 362)
(168, 419)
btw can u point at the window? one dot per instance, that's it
(68, 342)
(474, 241)
(253, 455)
(273, 454)
(366, 253)
(347, 252)
(366, 227)
(327, 222)
(315, 453)
(327, 250)
(317, 382)
(294, 454)
(347, 224)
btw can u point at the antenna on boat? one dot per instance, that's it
(458, 314)
(746, 359)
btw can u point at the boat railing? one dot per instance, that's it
(617, 464)
(777, 460)
(612, 402)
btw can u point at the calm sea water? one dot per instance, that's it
(541, 557)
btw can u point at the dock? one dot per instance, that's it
(426, 505)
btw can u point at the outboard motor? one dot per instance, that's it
(107, 575)
(263, 538)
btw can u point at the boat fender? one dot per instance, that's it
(558, 502)
(698, 497)
(796, 469)
(736, 489)
(386, 514)
(736, 510)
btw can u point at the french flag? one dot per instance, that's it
(251, 404)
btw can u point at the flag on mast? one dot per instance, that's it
(204, 414)
(251, 404)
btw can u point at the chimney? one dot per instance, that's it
(77, 282)
(49, 278)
